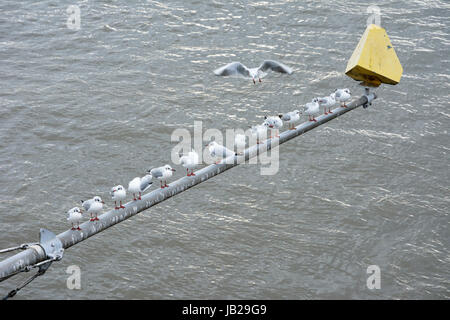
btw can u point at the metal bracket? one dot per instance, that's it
(52, 246)
(370, 97)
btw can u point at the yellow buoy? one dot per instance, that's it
(374, 60)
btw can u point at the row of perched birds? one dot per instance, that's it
(190, 161)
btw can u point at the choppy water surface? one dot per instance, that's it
(84, 110)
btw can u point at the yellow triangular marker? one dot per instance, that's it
(374, 60)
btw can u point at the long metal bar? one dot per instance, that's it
(69, 238)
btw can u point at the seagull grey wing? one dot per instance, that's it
(286, 117)
(233, 69)
(275, 66)
(146, 182)
(157, 173)
(227, 152)
(111, 193)
(86, 204)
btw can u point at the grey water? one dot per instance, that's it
(84, 110)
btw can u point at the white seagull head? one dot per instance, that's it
(168, 168)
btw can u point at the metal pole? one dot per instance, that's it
(69, 238)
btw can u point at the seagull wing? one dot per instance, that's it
(224, 151)
(86, 204)
(157, 172)
(233, 69)
(286, 117)
(146, 182)
(274, 66)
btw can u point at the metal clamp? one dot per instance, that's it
(369, 96)
(52, 246)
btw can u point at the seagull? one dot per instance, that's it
(162, 173)
(239, 141)
(328, 102)
(218, 151)
(74, 216)
(273, 123)
(93, 206)
(139, 185)
(190, 162)
(259, 131)
(118, 193)
(312, 108)
(290, 118)
(343, 95)
(238, 69)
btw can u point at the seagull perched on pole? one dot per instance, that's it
(75, 216)
(328, 102)
(312, 108)
(190, 162)
(218, 151)
(240, 70)
(162, 174)
(118, 193)
(239, 141)
(342, 96)
(259, 131)
(274, 123)
(93, 206)
(139, 185)
(290, 118)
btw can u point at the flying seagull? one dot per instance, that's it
(240, 70)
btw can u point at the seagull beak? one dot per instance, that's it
(173, 170)
(103, 202)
